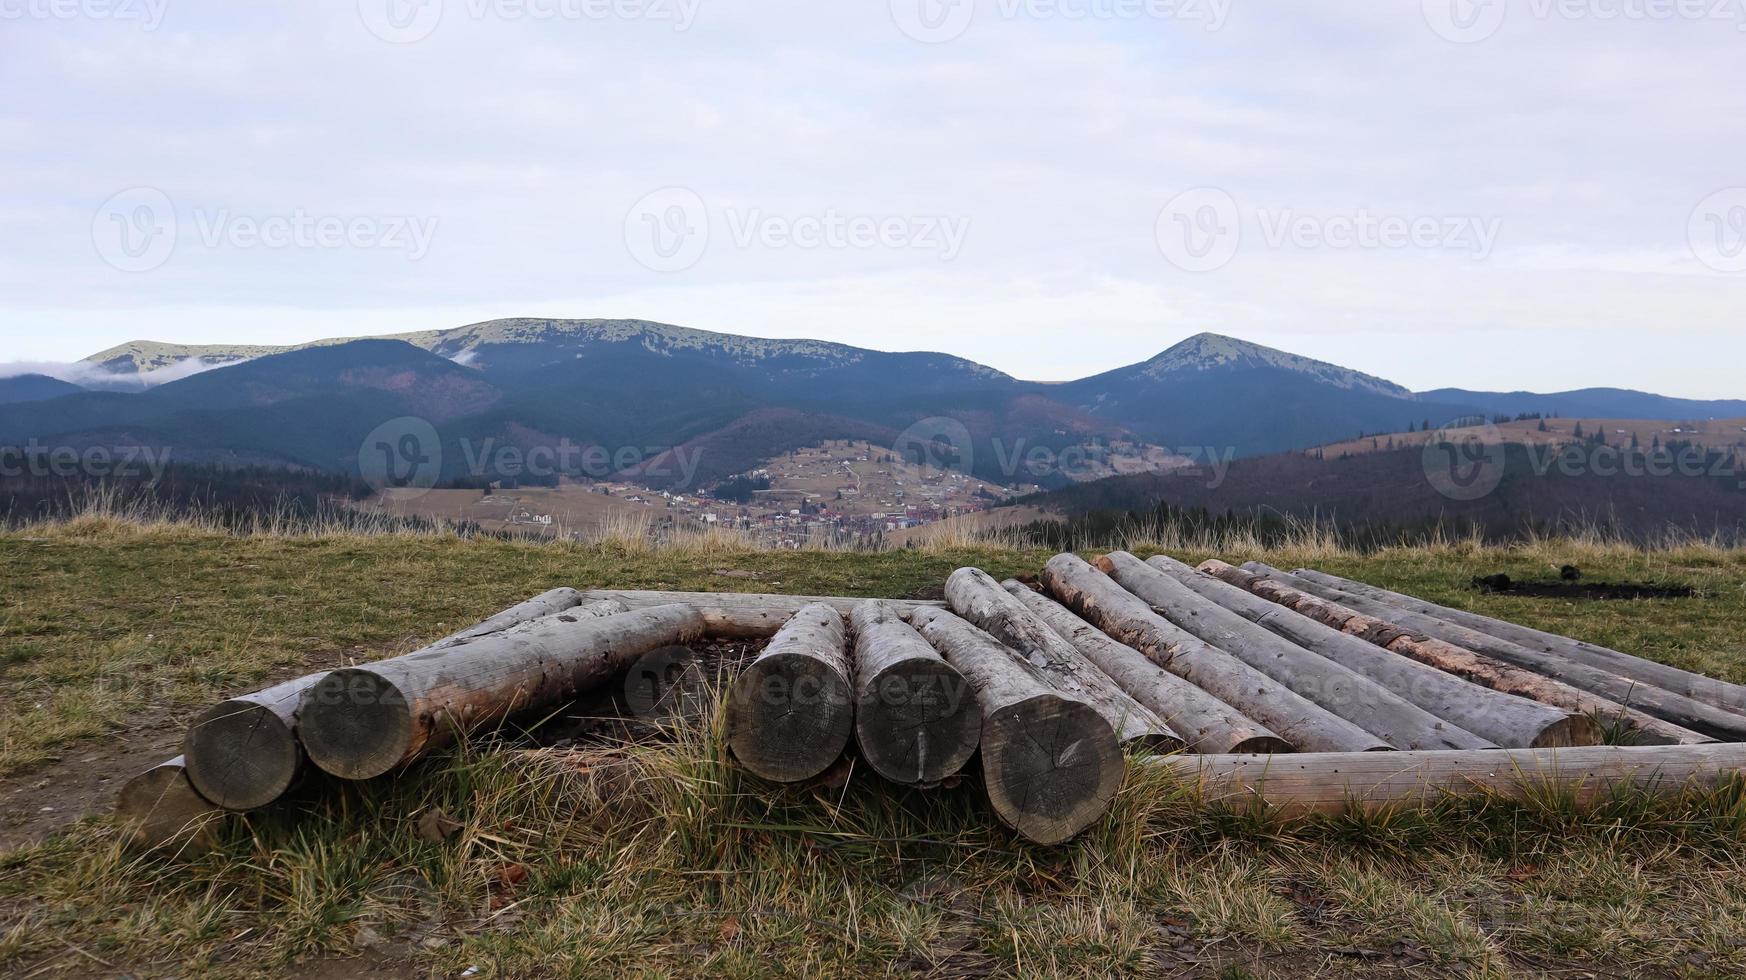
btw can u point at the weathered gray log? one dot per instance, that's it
(916, 718)
(1337, 781)
(1713, 692)
(1666, 705)
(791, 712)
(1204, 723)
(1306, 725)
(1352, 696)
(361, 722)
(736, 616)
(1504, 719)
(1461, 662)
(974, 595)
(244, 753)
(160, 808)
(1051, 764)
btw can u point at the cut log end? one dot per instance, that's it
(356, 724)
(1050, 766)
(918, 722)
(159, 808)
(1259, 745)
(1571, 731)
(241, 755)
(789, 717)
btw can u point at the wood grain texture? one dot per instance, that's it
(743, 616)
(916, 719)
(791, 712)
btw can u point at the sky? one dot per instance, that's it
(1492, 194)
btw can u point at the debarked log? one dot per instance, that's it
(916, 719)
(791, 712)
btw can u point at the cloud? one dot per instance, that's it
(88, 375)
(466, 358)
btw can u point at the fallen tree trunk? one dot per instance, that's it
(1505, 719)
(735, 616)
(1356, 698)
(1338, 781)
(243, 754)
(916, 719)
(790, 714)
(1462, 662)
(1305, 724)
(1205, 723)
(1051, 764)
(980, 600)
(1713, 692)
(1676, 708)
(160, 808)
(361, 722)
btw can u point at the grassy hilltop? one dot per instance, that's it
(656, 859)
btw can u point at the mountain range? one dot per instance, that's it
(728, 401)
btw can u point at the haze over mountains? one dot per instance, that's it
(729, 401)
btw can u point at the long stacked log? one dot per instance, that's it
(790, 714)
(160, 808)
(1204, 723)
(1455, 659)
(979, 599)
(1713, 692)
(1505, 719)
(361, 722)
(741, 616)
(1352, 696)
(916, 719)
(1333, 782)
(1051, 764)
(1666, 705)
(1305, 724)
(243, 754)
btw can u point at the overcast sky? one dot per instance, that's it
(1474, 193)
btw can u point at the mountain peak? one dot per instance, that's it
(1211, 351)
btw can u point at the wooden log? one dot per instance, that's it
(916, 719)
(1118, 612)
(1356, 698)
(1334, 782)
(1461, 662)
(1051, 764)
(790, 714)
(1507, 720)
(1713, 692)
(160, 808)
(1666, 705)
(974, 595)
(1204, 723)
(243, 753)
(737, 616)
(361, 722)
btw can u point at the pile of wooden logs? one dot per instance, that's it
(1216, 672)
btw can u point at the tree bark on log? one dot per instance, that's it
(791, 712)
(916, 719)
(1713, 692)
(1305, 724)
(974, 595)
(1205, 723)
(1338, 781)
(736, 616)
(361, 722)
(1051, 764)
(1462, 662)
(1356, 698)
(1504, 719)
(160, 808)
(1676, 708)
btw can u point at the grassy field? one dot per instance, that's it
(656, 859)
